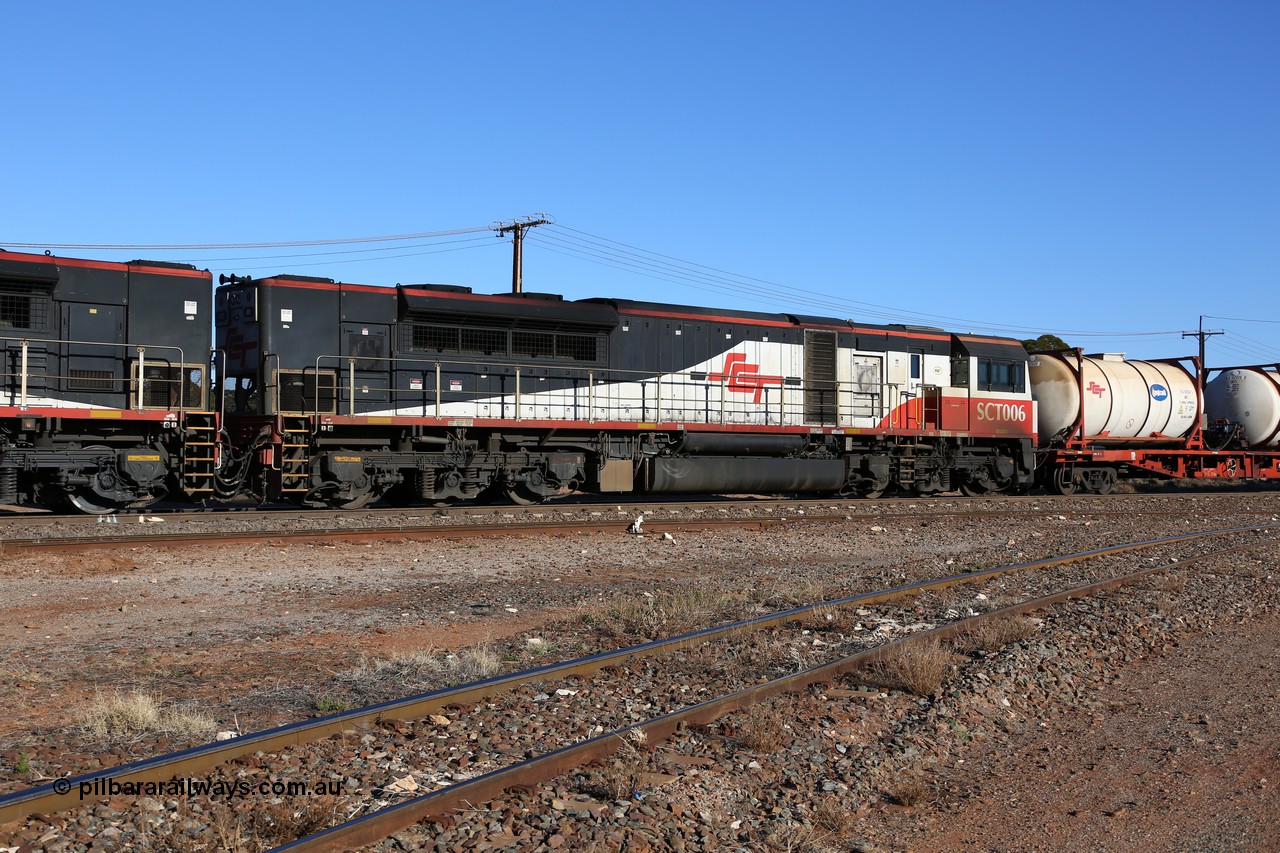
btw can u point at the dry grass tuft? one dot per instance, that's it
(919, 668)
(21, 673)
(833, 816)
(994, 633)
(131, 716)
(911, 792)
(1252, 570)
(281, 823)
(841, 619)
(429, 668)
(620, 773)
(1173, 582)
(661, 614)
(764, 727)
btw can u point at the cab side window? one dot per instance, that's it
(1000, 375)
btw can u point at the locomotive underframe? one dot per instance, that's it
(349, 466)
(97, 467)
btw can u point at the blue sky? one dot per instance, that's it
(1110, 168)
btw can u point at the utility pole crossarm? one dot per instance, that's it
(517, 229)
(1202, 335)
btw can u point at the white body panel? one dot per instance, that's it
(1249, 397)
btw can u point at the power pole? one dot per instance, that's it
(517, 229)
(1202, 334)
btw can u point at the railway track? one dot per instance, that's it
(189, 762)
(479, 522)
(38, 518)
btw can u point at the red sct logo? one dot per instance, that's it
(743, 378)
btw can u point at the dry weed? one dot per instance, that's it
(1173, 582)
(911, 792)
(621, 771)
(429, 668)
(827, 618)
(21, 673)
(661, 614)
(796, 838)
(994, 633)
(130, 716)
(832, 815)
(1252, 570)
(919, 667)
(281, 823)
(764, 727)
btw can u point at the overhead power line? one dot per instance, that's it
(339, 241)
(639, 261)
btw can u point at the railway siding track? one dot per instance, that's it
(370, 828)
(192, 761)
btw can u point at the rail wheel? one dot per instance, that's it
(977, 488)
(358, 502)
(86, 501)
(1063, 482)
(523, 496)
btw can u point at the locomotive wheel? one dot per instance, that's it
(974, 489)
(91, 504)
(522, 496)
(359, 502)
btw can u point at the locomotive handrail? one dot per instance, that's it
(217, 367)
(685, 399)
(23, 375)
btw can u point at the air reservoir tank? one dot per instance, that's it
(1125, 402)
(1249, 396)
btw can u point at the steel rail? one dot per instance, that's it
(630, 503)
(64, 793)
(439, 531)
(517, 528)
(376, 826)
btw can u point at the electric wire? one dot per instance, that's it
(485, 240)
(628, 256)
(285, 244)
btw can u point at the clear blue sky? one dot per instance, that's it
(1100, 167)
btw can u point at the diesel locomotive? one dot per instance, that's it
(105, 401)
(434, 393)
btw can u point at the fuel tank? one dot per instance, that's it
(1124, 401)
(726, 474)
(1250, 397)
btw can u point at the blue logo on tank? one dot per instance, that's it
(1159, 392)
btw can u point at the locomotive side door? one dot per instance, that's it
(364, 347)
(913, 402)
(94, 360)
(867, 380)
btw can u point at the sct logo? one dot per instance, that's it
(1009, 412)
(1159, 393)
(742, 377)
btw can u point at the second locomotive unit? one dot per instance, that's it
(104, 403)
(346, 393)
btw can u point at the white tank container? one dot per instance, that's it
(1249, 396)
(1135, 400)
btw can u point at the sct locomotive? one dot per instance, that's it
(105, 398)
(434, 393)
